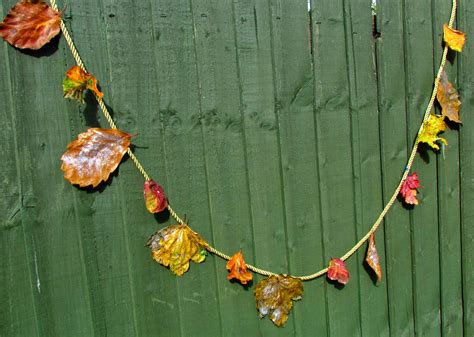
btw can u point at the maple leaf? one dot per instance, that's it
(372, 258)
(174, 246)
(408, 189)
(337, 271)
(275, 296)
(454, 38)
(238, 269)
(76, 81)
(95, 154)
(30, 25)
(155, 198)
(448, 98)
(431, 128)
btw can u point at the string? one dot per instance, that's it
(377, 222)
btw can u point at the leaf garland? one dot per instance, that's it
(174, 246)
(275, 296)
(95, 154)
(30, 25)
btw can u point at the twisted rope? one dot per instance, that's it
(377, 222)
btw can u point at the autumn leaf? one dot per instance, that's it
(155, 198)
(431, 128)
(275, 296)
(408, 190)
(76, 81)
(174, 246)
(448, 98)
(454, 38)
(337, 271)
(372, 258)
(238, 269)
(95, 154)
(30, 25)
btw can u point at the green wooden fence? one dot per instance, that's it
(277, 131)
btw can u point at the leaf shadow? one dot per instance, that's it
(423, 149)
(91, 110)
(47, 50)
(406, 206)
(162, 217)
(337, 285)
(246, 287)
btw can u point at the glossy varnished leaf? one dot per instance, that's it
(30, 25)
(175, 246)
(275, 296)
(95, 154)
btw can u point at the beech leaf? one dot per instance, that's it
(337, 271)
(454, 38)
(275, 296)
(409, 189)
(238, 269)
(76, 81)
(448, 98)
(174, 246)
(30, 25)
(372, 258)
(431, 128)
(155, 198)
(95, 154)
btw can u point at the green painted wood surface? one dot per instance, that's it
(276, 130)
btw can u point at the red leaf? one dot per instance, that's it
(337, 271)
(155, 198)
(372, 258)
(30, 25)
(408, 189)
(238, 269)
(95, 154)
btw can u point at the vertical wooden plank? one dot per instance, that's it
(17, 314)
(184, 149)
(424, 217)
(53, 240)
(219, 119)
(393, 139)
(466, 66)
(360, 44)
(332, 98)
(290, 26)
(448, 163)
(257, 105)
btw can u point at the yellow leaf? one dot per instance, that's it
(431, 128)
(275, 296)
(448, 98)
(454, 38)
(174, 246)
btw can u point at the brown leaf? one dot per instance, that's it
(372, 258)
(30, 25)
(238, 269)
(455, 39)
(95, 154)
(174, 246)
(448, 98)
(76, 81)
(275, 296)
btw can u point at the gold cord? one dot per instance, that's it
(376, 224)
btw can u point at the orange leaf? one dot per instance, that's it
(155, 198)
(337, 271)
(454, 38)
(275, 296)
(174, 246)
(429, 134)
(448, 98)
(76, 81)
(372, 258)
(238, 269)
(95, 154)
(30, 25)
